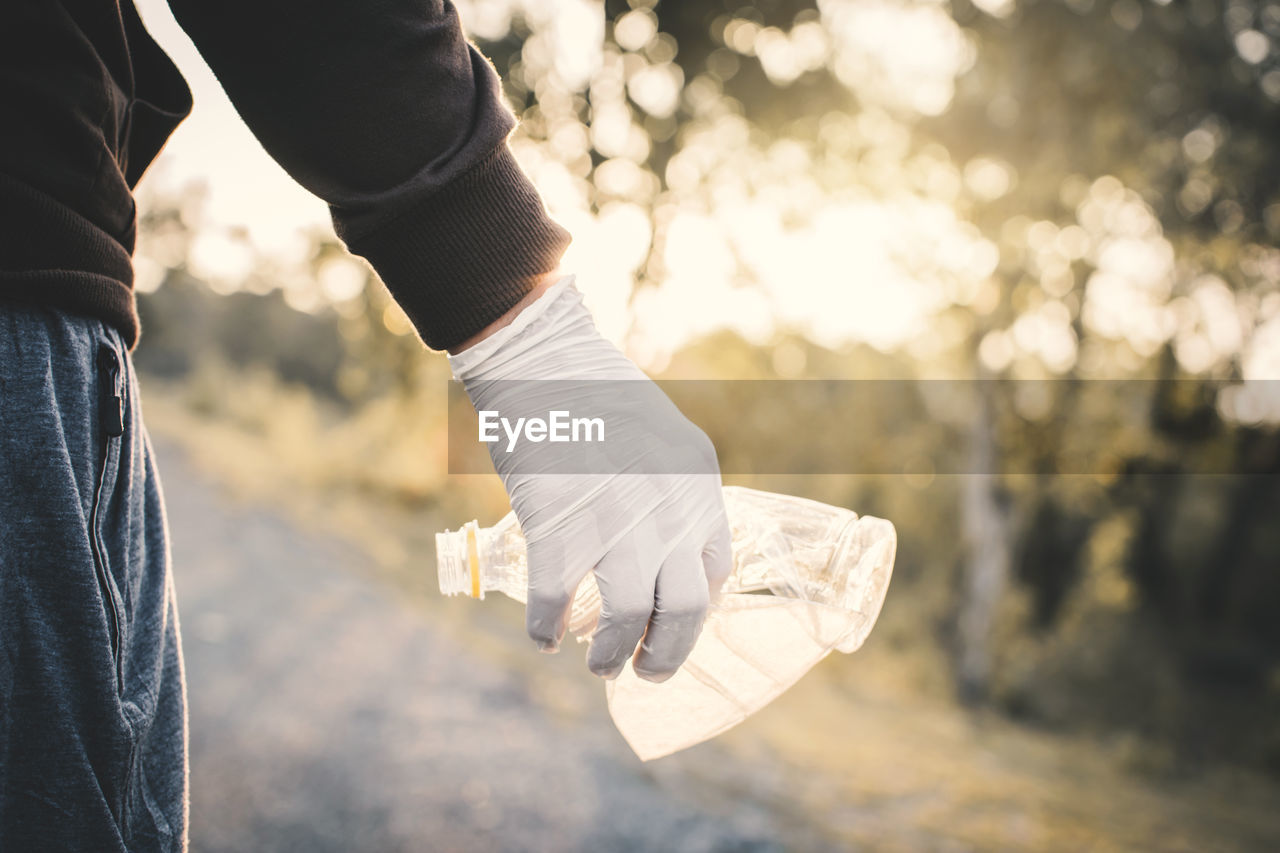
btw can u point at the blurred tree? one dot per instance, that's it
(1108, 182)
(1121, 156)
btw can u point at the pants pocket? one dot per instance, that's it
(111, 427)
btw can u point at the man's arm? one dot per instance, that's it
(382, 109)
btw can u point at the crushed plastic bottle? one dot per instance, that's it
(807, 578)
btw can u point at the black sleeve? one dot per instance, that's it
(383, 109)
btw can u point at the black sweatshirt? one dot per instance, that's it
(380, 107)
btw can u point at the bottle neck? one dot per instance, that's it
(458, 561)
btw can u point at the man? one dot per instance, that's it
(381, 108)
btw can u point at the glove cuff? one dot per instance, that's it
(466, 363)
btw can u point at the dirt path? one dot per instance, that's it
(331, 710)
(326, 714)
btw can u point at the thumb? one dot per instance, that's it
(550, 594)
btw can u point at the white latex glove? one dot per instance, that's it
(644, 509)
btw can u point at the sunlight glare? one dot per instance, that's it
(900, 54)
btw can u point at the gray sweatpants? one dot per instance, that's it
(93, 735)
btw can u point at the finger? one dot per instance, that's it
(626, 600)
(680, 606)
(550, 597)
(717, 558)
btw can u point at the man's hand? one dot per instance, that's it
(642, 507)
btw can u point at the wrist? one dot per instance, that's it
(552, 337)
(540, 287)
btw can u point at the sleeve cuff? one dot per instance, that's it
(462, 257)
